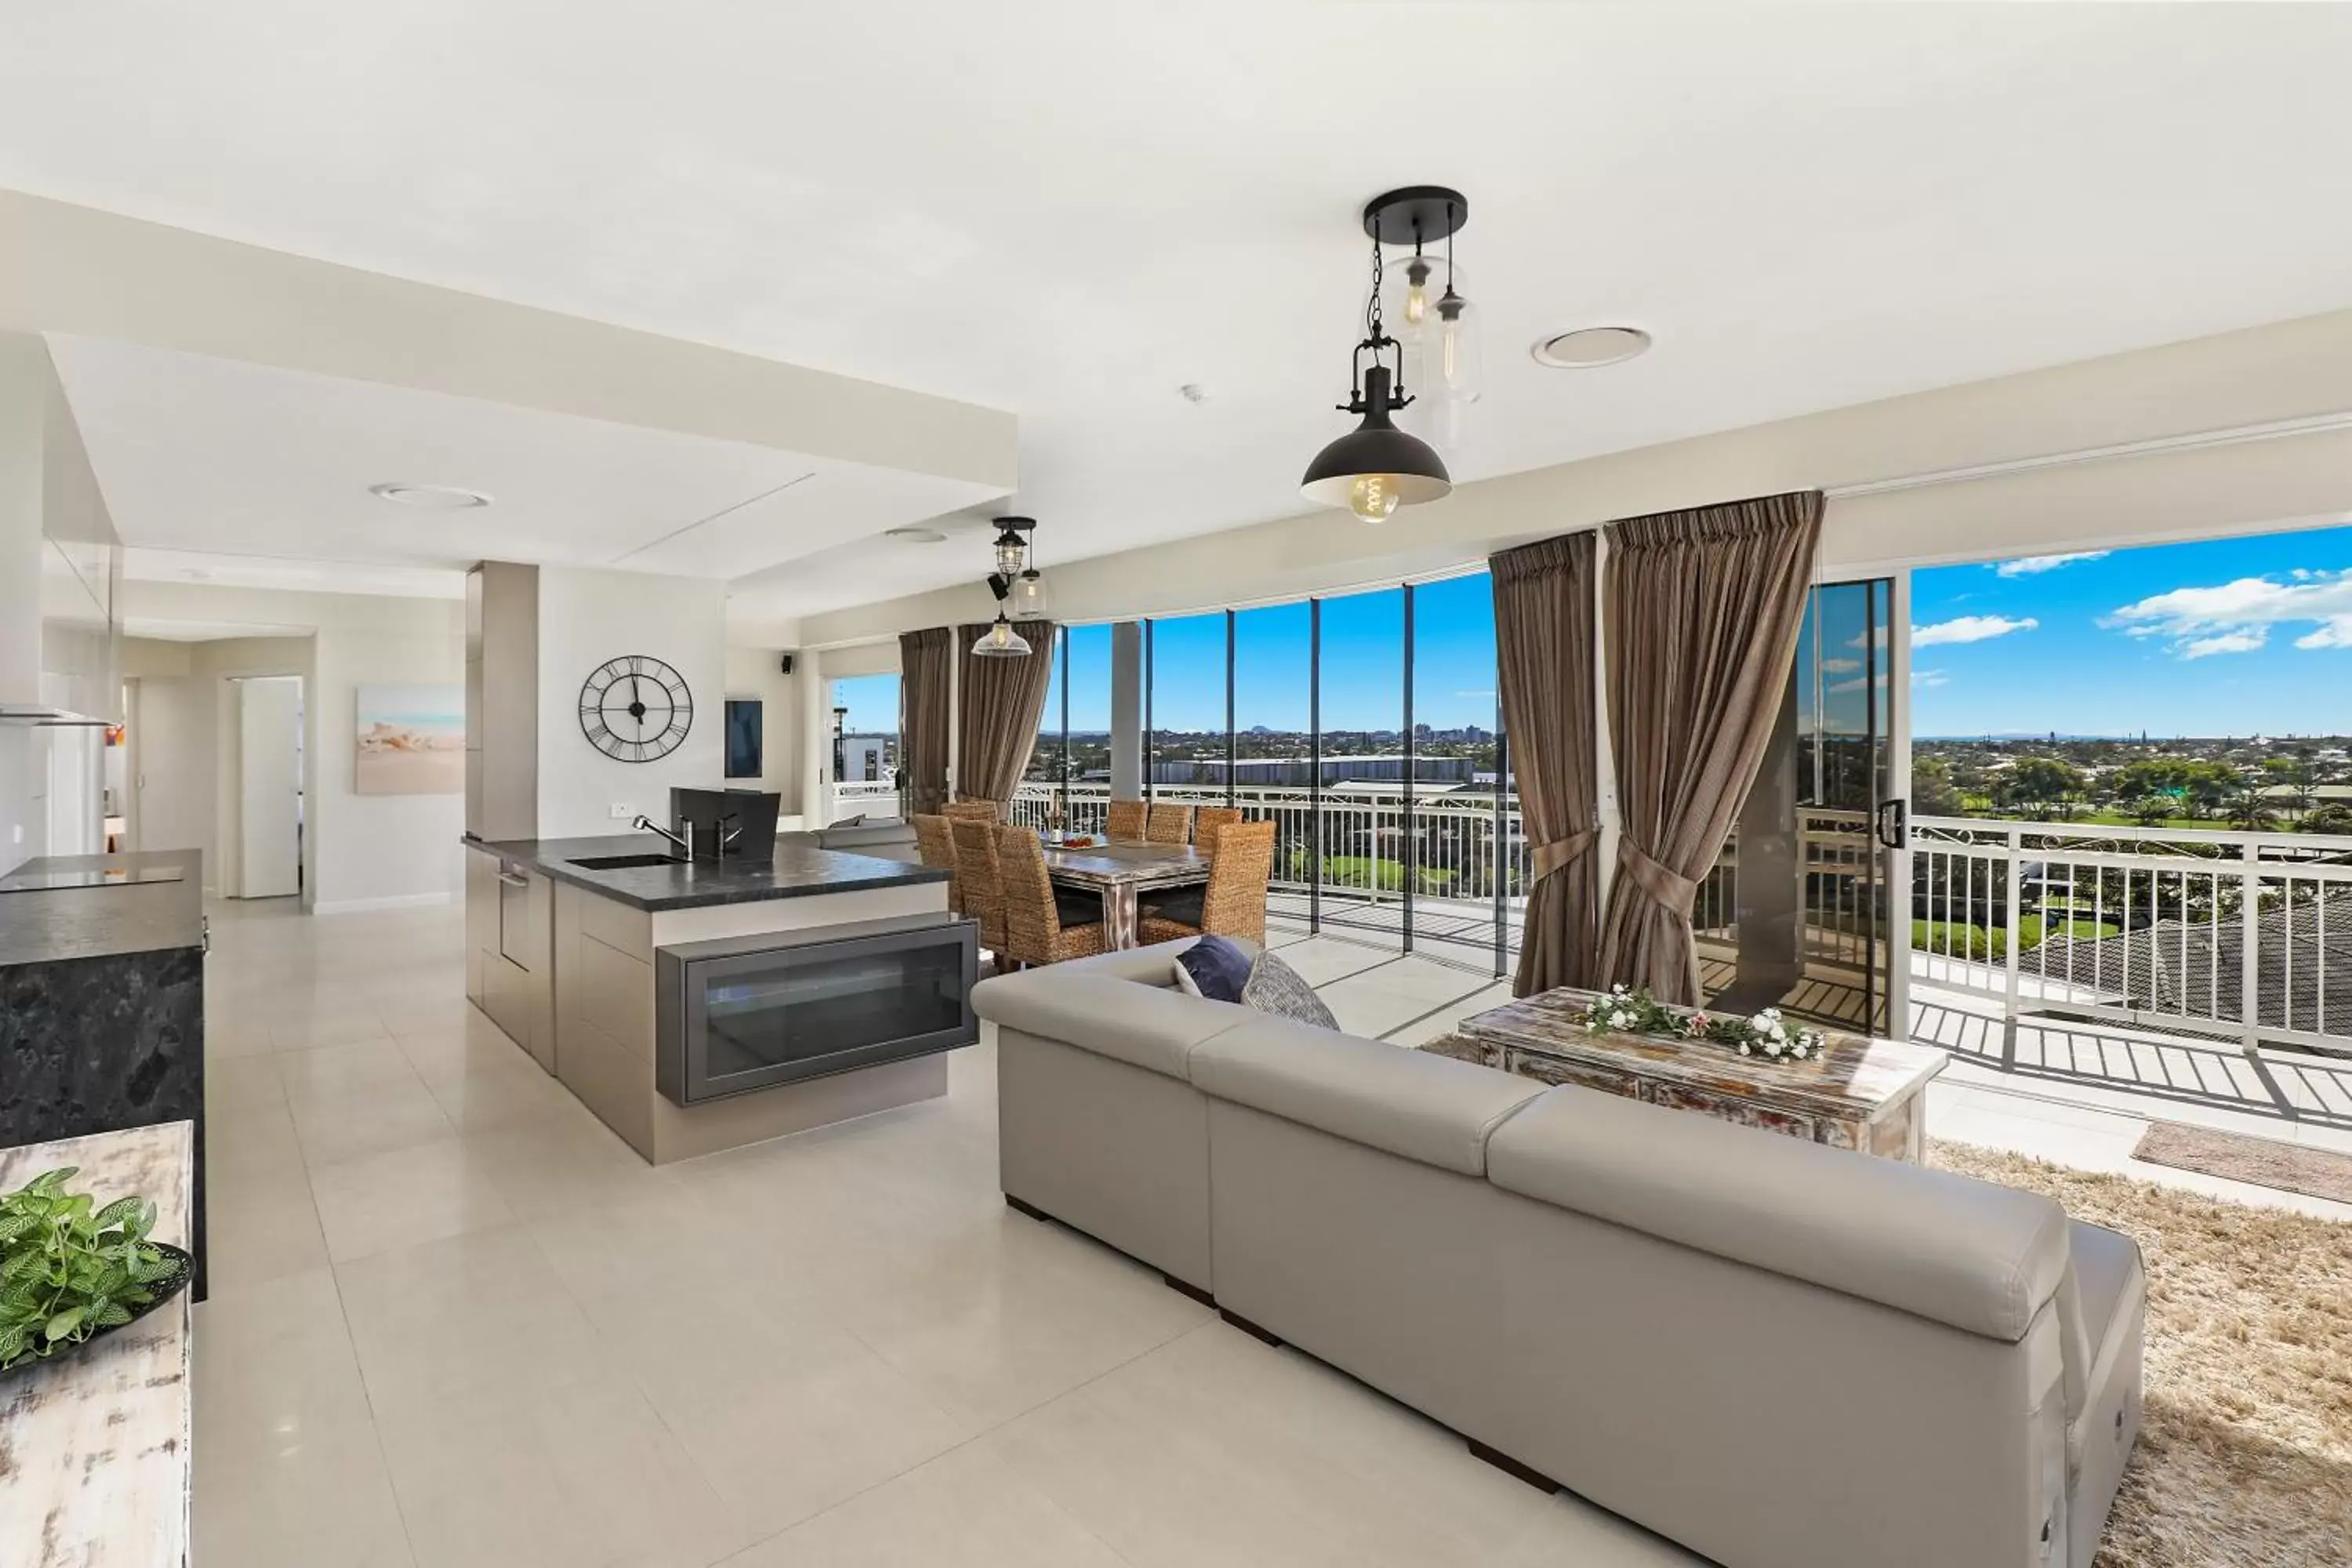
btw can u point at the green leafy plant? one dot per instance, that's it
(70, 1270)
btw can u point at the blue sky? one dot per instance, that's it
(2215, 637)
(1364, 665)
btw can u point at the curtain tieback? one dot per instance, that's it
(1668, 887)
(1555, 854)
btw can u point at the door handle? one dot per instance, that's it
(1894, 824)
(514, 878)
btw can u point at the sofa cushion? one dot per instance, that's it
(1142, 1025)
(2112, 1288)
(1154, 965)
(1214, 967)
(1280, 991)
(1948, 1248)
(1428, 1109)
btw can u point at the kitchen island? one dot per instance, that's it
(701, 1005)
(102, 1001)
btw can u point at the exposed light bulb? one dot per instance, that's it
(1450, 351)
(1373, 497)
(1416, 296)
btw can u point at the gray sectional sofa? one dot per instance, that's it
(1775, 1353)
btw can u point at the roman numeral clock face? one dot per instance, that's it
(634, 708)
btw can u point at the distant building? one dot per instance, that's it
(1298, 773)
(868, 759)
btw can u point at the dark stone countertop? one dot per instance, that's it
(798, 870)
(48, 924)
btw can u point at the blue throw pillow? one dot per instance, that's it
(1218, 968)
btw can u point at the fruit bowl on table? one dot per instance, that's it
(1078, 841)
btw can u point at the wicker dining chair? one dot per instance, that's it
(935, 839)
(984, 883)
(1126, 819)
(1206, 823)
(1233, 903)
(1043, 923)
(1169, 825)
(974, 808)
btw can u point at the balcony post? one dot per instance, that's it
(2250, 964)
(1127, 710)
(2016, 835)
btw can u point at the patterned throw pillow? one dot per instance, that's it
(1215, 967)
(1277, 989)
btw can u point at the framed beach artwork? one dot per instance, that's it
(412, 741)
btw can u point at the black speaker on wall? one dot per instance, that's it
(788, 664)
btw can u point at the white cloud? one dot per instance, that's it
(1970, 628)
(1841, 665)
(2246, 639)
(1930, 678)
(2030, 565)
(2237, 616)
(2337, 632)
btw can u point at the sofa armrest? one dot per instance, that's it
(1139, 1025)
(1948, 1248)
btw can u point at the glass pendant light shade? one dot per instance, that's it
(1376, 468)
(1001, 641)
(1449, 357)
(1026, 599)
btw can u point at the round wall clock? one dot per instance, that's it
(634, 708)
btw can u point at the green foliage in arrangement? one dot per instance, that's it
(69, 1269)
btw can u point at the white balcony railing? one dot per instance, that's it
(2175, 928)
(2168, 928)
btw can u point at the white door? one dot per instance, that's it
(270, 771)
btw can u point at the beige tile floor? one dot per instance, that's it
(456, 1322)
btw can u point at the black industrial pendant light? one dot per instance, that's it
(1376, 468)
(1015, 582)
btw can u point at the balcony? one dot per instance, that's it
(2113, 984)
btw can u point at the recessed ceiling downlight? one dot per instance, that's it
(1589, 347)
(431, 497)
(915, 535)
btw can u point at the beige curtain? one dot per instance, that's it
(1543, 647)
(1703, 609)
(926, 662)
(998, 710)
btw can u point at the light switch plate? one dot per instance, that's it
(619, 812)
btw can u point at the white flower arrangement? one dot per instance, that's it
(1622, 1012)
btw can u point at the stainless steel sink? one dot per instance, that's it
(623, 862)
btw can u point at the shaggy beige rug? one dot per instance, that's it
(2245, 1446)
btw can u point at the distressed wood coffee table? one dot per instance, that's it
(1856, 1093)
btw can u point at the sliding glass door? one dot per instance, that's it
(1808, 908)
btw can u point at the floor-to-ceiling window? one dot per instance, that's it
(1186, 727)
(1361, 695)
(1460, 842)
(1274, 739)
(1069, 773)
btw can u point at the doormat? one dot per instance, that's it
(2264, 1161)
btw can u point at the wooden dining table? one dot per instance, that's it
(1119, 871)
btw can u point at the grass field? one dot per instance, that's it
(1976, 942)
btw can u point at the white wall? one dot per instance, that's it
(359, 851)
(377, 851)
(756, 674)
(586, 618)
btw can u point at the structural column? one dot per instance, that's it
(1127, 710)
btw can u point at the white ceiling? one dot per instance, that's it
(1069, 210)
(267, 472)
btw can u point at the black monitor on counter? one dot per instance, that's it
(735, 823)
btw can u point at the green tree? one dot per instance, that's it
(1933, 793)
(2336, 816)
(2149, 810)
(2252, 811)
(2039, 785)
